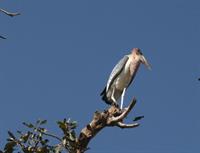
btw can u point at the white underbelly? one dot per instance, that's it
(123, 80)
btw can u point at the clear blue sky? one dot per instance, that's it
(59, 54)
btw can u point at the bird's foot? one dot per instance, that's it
(115, 105)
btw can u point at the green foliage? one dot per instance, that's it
(37, 140)
(69, 139)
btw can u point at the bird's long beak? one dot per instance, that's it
(145, 62)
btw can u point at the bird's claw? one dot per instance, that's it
(115, 105)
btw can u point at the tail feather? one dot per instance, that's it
(104, 97)
(103, 92)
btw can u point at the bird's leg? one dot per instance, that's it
(113, 98)
(122, 98)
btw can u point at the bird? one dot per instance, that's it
(9, 13)
(122, 76)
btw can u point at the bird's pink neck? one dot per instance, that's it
(134, 67)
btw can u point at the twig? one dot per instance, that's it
(2, 37)
(50, 135)
(123, 125)
(53, 136)
(9, 13)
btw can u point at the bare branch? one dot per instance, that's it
(124, 113)
(138, 118)
(113, 116)
(2, 37)
(123, 125)
(9, 13)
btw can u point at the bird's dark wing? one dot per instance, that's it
(116, 71)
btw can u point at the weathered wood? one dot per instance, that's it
(113, 116)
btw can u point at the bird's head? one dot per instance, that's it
(137, 55)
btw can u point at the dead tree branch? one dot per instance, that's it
(122, 125)
(9, 13)
(36, 139)
(2, 37)
(111, 117)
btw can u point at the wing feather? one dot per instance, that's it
(116, 71)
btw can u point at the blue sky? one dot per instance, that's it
(59, 54)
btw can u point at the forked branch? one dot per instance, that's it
(110, 117)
